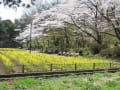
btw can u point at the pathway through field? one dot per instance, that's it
(17, 67)
(3, 68)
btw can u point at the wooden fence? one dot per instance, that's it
(58, 67)
(56, 70)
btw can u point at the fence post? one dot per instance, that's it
(75, 67)
(23, 67)
(93, 66)
(110, 65)
(51, 67)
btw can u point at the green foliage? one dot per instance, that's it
(24, 83)
(105, 81)
(85, 52)
(116, 51)
(111, 83)
(96, 48)
(106, 52)
(8, 34)
(3, 86)
(111, 52)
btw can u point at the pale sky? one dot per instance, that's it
(7, 13)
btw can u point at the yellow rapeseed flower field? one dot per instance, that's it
(43, 61)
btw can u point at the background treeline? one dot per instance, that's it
(70, 40)
(94, 32)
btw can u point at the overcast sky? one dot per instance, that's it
(7, 13)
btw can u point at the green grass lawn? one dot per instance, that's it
(105, 81)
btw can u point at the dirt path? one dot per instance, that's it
(3, 68)
(17, 67)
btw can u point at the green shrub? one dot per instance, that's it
(106, 52)
(84, 52)
(116, 51)
(111, 52)
(96, 48)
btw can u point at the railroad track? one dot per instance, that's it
(54, 74)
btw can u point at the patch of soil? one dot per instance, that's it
(3, 68)
(106, 79)
(17, 67)
(103, 79)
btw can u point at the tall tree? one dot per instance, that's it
(8, 34)
(110, 11)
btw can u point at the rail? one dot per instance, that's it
(58, 69)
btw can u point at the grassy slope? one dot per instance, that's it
(84, 82)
